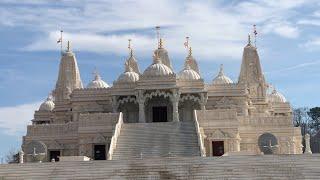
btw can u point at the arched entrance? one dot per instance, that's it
(268, 143)
(158, 109)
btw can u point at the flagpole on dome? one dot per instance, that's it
(187, 46)
(60, 41)
(255, 34)
(158, 36)
(130, 48)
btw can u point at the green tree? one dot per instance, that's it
(314, 114)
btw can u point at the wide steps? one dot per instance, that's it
(152, 140)
(233, 167)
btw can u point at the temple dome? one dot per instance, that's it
(221, 78)
(157, 69)
(128, 76)
(276, 96)
(47, 105)
(97, 83)
(188, 74)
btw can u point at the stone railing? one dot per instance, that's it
(199, 134)
(116, 134)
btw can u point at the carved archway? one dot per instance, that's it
(158, 99)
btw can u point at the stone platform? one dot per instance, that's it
(228, 167)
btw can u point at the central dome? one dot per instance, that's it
(157, 69)
(188, 74)
(128, 76)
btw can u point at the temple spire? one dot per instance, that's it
(251, 73)
(69, 76)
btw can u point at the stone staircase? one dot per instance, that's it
(153, 140)
(230, 167)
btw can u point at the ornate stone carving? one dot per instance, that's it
(55, 145)
(225, 103)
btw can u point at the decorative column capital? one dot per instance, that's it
(175, 95)
(141, 100)
(140, 96)
(203, 100)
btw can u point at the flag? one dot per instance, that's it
(185, 44)
(59, 40)
(255, 30)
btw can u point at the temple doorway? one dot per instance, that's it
(217, 148)
(159, 114)
(99, 152)
(54, 155)
(158, 109)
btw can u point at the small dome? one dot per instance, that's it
(128, 76)
(275, 96)
(47, 105)
(97, 83)
(221, 78)
(157, 69)
(188, 74)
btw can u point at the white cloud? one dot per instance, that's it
(216, 29)
(14, 119)
(312, 44)
(295, 67)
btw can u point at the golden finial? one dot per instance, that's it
(160, 43)
(130, 48)
(190, 51)
(68, 46)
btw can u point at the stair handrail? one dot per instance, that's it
(116, 134)
(199, 134)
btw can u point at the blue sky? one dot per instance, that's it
(288, 42)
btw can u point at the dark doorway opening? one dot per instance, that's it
(54, 155)
(99, 152)
(217, 148)
(159, 114)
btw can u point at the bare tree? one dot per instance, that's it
(302, 119)
(12, 156)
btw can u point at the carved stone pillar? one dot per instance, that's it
(175, 104)
(245, 107)
(141, 101)
(21, 155)
(203, 101)
(237, 143)
(114, 104)
(307, 140)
